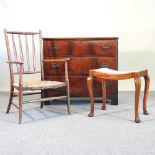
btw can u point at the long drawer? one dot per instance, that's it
(82, 48)
(78, 66)
(78, 86)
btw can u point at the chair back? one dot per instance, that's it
(25, 47)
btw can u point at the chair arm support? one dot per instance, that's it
(15, 62)
(20, 72)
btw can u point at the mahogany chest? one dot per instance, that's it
(84, 54)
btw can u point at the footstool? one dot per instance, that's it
(109, 74)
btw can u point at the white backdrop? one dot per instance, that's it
(133, 21)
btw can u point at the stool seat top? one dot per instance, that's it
(111, 71)
(115, 74)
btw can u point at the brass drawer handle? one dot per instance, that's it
(105, 47)
(55, 48)
(106, 65)
(55, 66)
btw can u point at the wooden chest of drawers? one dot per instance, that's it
(85, 54)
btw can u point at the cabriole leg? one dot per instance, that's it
(137, 94)
(90, 90)
(103, 82)
(146, 90)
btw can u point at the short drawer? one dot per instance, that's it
(107, 48)
(106, 62)
(54, 68)
(55, 48)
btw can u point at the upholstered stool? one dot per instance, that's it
(109, 74)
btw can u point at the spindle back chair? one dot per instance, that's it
(24, 51)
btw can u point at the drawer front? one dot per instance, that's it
(107, 48)
(55, 48)
(76, 66)
(80, 48)
(107, 62)
(54, 68)
(79, 66)
(111, 87)
(78, 86)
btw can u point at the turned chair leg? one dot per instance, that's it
(146, 90)
(137, 94)
(103, 82)
(42, 105)
(20, 104)
(68, 98)
(90, 90)
(42, 96)
(10, 100)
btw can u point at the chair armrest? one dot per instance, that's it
(56, 60)
(15, 62)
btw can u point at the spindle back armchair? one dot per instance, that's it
(24, 51)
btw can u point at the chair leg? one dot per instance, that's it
(20, 104)
(42, 95)
(90, 90)
(137, 94)
(10, 100)
(103, 82)
(68, 98)
(146, 90)
(41, 105)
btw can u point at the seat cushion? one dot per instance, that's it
(115, 72)
(38, 85)
(111, 74)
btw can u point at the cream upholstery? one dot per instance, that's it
(115, 72)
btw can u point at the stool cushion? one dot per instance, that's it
(117, 75)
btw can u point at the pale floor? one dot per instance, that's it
(51, 131)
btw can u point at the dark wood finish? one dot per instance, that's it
(108, 74)
(84, 54)
(78, 66)
(75, 90)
